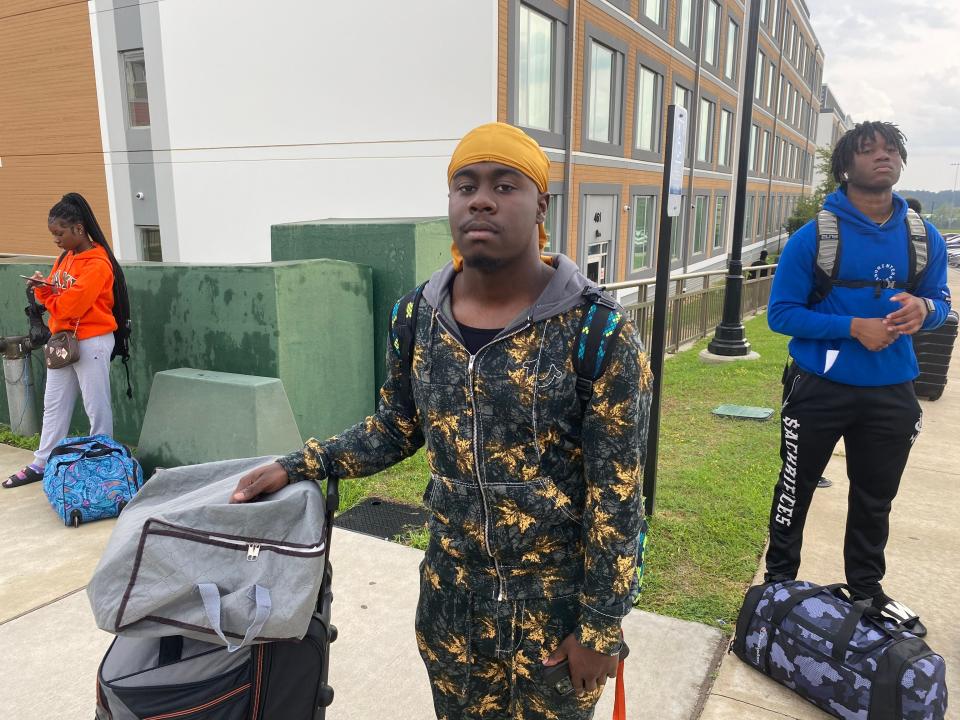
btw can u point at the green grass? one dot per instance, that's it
(714, 482)
(27, 443)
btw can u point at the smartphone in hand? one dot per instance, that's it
(39, 282)
(558, 676)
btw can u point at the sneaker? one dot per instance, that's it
(901, 613)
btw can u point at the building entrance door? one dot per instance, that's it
(599, 214)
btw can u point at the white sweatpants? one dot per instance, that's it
(90, 376)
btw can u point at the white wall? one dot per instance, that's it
(298, 109)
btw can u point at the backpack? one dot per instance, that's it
(90, 478)
(599, 328)
(121, 313)
(829, 245)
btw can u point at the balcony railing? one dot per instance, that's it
(694, 303)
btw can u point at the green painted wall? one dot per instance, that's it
(231, 318)
(402, 254)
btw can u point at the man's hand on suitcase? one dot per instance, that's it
(260, 481)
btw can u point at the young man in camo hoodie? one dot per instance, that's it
(535, 496)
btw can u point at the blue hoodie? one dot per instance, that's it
(868, 251)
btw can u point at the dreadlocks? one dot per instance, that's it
(853, 141)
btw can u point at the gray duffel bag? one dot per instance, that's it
(184, 561)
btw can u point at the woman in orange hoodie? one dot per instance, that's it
(78, 294)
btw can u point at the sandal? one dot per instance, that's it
(23, 477)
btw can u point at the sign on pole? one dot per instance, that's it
(676, 152)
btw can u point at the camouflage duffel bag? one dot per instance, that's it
(845, 657)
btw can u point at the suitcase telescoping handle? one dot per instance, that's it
(210, 594)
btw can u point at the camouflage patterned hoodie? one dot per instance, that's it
(530, 495)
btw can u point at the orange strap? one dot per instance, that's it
(620, 701)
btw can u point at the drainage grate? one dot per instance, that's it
(382, 518)
(743, 412)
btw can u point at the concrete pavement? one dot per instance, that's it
(52, 648)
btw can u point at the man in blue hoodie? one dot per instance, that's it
(853, 366)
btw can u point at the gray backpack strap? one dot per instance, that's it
(917, 231)
(828, 256)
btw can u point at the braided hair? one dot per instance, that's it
(73, 208)
(853, 141)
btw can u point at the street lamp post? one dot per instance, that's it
(955, 173)
(730, 337)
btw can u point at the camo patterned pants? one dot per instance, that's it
(484, 657)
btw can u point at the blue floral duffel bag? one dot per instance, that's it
(844, 656)
(90, 478)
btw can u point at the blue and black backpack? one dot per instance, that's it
(601, 324)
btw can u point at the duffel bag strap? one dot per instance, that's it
(784, 608)
(841, 641)
(210, 594)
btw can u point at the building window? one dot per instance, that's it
(719, 222)
(710, 39)
(681, 96)
(150, 249)
(705, 131)
(685, 23)
(552, 223)
(700, 224)
(764, 149)
(644, 207)
(752, 153)
(763, 12)
(535, 71)
(758, 80)
(605, 73)
(771, 74)
(726, 126)
(748, 218)
(676, 232)
(730, 64)
(773, 17)
(135, 76)
(653, 11)
(649, 102)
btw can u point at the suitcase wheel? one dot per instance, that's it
(76, 517)
(120, 506)
(332, 633)
(325, 696)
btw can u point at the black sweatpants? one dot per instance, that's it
(878, 426)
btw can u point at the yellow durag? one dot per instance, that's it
(507, 145)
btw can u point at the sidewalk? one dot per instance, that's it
(923, 559)
(52, 647)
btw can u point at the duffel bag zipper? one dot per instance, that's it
(253, 546)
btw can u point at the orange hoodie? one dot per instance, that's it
(83, 290)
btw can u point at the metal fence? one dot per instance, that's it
(695, 303)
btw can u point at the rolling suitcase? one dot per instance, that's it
(933, 349)
(154, 678)
(90, 478)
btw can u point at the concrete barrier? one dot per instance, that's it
(196, 416)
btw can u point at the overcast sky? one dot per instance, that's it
(898, 61)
